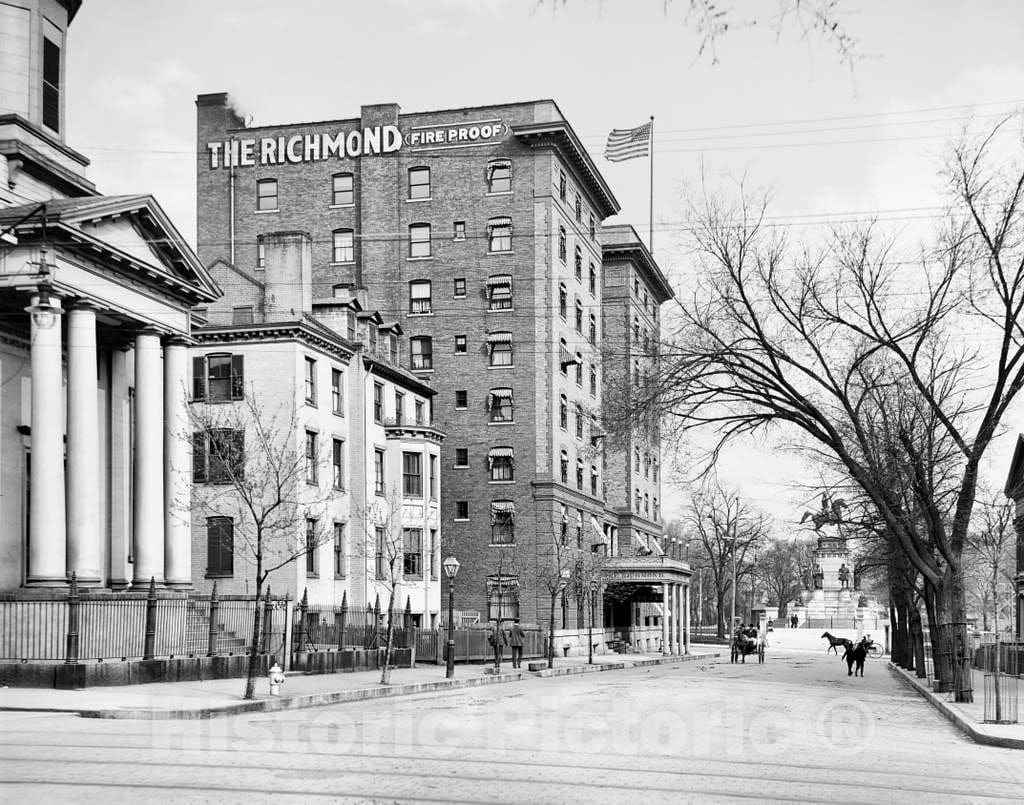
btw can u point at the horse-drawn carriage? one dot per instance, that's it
(748, 641)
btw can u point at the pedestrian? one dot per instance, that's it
(515, 640)
(498, 640)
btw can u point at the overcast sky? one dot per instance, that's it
(833, 144)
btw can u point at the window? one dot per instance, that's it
(311, 457)
(343, 250)
(380, 565)
(311, 540)
(462, 510)
(593, 228)
(419, 183)
(579, 209)
(218, 378)
(636, 287)
(579, 317)
(579, 528)
(261, 254)
(592, 280)
(593, 480)
(503, 517)
(499, 292)
(419, 240)
(499, 176)
(412, 551)
(501, 464)
(579, 473)
(51, 84)
(339, 550)
(636, 329)
(460, 345)
(310, 381)
(378, 472)
(579, 370)
(378, 403)
(459, 228)
(563, 412)
(218, 455)
(419, 296)
(499, 235)
(593, 329)
(564, 525)
(341, 190)
(460, 287)
(647, 503)
(637, 507)
(500, 406)
(412, 475)
(500, 346)
(418, 408)
(461, 456)
(220, 546)
(579, 422)
(266, 194)
(241, 315)
(399, 408)
(337, 392)
(421, 352)
(577, 263)
(564, 466)
(561, 185)
(433, 476)
(563, 301)
(561, 244)
(593, 380)
(338, 463)
(564, 358)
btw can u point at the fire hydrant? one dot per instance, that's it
(276, 678)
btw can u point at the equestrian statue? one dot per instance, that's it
(831, 513)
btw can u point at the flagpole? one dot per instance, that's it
(650, 237)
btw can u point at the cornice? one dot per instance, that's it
(274, 331)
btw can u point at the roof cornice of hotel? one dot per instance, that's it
(558, 134)
(304, 331)
(632, 248)
(398, 375)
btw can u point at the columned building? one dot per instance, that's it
(95, 294)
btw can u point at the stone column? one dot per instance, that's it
(177, 468)
(149, 460)
(686, 619)
(664, 618)
(46, 547)
(119, 574)
(677, 624)
(84, 549)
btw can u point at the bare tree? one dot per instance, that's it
(248, 468)
(729, 531)
(555, 562)
(989, 556)
(781, 570)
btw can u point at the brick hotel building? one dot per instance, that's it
(477, 231)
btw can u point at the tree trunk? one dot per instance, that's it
(551, 633)
(720, 612)
(951, 597)
(250, 676)
(917, 662)
(895, 618)
(385, 673)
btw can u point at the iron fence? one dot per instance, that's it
(326, 627)
(471, 645)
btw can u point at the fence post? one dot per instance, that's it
(303, 607)
(286, 633)
(407, 622)
(74, 601)
(376, 622)
(268, 621)
(211, 631)
(149, 647)
(344, 616)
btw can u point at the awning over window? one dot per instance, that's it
(499, 280)
(501, 452)
(498, 397)
(503, 221)
(495, 166)
(499, 338)
(502, 507)
(502, 394)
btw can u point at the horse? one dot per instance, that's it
(855, 655)
(743, 645)
(837, 641)
(828, 514)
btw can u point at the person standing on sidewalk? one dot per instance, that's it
(516, 636)
(498, 640)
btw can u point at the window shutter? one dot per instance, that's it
(237, 377)
(198, 378)
(199, 457)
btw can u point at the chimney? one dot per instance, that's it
(288, 275)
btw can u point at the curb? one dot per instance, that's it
(954, 716)
(340, 697)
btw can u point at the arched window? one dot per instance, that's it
(578, 263)
(563, 412)
(563, 300)
(564, 466)
(593, 280)
(561, 243)
(593, 329)
(593, 380)
(579, 316)
(579, 369)
(564, 358)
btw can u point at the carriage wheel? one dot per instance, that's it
(876, 652)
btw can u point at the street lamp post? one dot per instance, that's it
(451, 570)
(590, 630)
(732, 622)
(563, 579)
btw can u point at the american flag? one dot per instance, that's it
(626, 144)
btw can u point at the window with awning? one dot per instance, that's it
(499, 404)
(499, 292)
(499, 234)
(503, 517)
(499, 347)
(499, 176)
(501, 462)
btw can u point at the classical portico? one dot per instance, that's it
(102, 295)
(635, 586)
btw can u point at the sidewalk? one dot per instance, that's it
(969, 718)
(220, 697)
